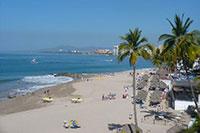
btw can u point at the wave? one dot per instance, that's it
(46, 79)
(109, 60)
(33, 83)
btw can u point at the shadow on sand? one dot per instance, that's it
(113, 126)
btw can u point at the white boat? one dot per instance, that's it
(34, 61)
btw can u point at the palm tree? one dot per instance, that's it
(157, 59)
(131, 48)
(184, 43)
(169, 60)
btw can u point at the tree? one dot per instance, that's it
(157, 59)
(169, 60)
(186, 50)
(133, 49)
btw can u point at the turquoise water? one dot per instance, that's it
(17, 71)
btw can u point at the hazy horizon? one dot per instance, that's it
(34, 25)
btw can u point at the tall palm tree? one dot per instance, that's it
(133, 49)
(185, 46)
(169, 60)
(156, 58)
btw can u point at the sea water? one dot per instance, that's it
(18, 73)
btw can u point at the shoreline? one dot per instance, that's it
(33, 100)
(20, 91)
(74, 76)
(30, 114)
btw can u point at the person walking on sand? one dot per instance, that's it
(47, 92)
(103, 97)
(130, 115)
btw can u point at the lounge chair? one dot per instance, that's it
(74, 124)
(47, 99)
(65, 124)
(76, 100)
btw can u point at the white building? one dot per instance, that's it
(181, 96)
(116, 50)
(196, 64)
(103, 51)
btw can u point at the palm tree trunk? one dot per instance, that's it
(192, 90)
(134, 100)
(175, 70)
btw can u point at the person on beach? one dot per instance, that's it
(131, 115)
(125, 88)
(47, 92)
(103, 97)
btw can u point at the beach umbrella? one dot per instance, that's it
(142, 84)
(145, 77)
(155, 78)
(142, 95)
(154, 84)
(162, 85)
(162, 72)
(156, 97)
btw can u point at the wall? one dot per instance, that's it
(182, 105)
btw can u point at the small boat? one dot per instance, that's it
(34, 61)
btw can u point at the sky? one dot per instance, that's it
(40, 24)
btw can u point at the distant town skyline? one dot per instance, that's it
(35, 25)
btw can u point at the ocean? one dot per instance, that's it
(19, 73)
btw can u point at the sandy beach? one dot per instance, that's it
(28, 114)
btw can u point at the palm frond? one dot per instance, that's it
(122, 56)
(149, 47)
(188, 22)
(165, 36)
(145, 54)
(124, 46)
(133, 46)
(173, 27)
(169, 45)
(144, 39)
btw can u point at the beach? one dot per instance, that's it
(29, 114)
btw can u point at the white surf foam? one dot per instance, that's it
(109, 60)
(47, 79)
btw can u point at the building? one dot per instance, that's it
(180, 97)
(60, 50)
(103, 52)
(116, 50)
(161, 47)
(196, 65)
